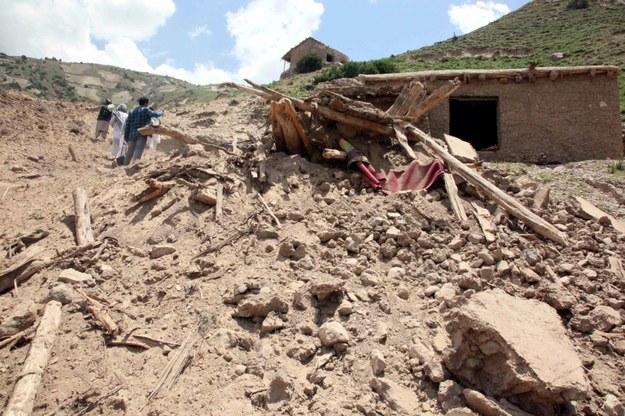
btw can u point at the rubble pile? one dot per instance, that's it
(308, 293)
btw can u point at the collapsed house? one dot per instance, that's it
(309, 45)
(544, 115)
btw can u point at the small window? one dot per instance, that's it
(474, 120)
(329, 58)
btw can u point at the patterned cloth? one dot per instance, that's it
(138, 117)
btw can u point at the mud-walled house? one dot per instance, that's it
(328, 55)
(557, 114)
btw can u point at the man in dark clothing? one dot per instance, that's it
(138, 117)
(104, 118)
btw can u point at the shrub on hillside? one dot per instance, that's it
(353, 69)
(577, 4)
(309, 63)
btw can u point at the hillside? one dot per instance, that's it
(53, 79)
(546, 32)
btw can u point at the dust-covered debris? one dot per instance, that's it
(385, 272)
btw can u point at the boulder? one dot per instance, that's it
(332, 333)
(324, 287)
(511, 347)
(260, 305)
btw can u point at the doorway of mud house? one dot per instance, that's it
(475, 120)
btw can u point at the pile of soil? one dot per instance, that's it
(320, 303)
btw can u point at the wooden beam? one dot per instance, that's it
(180, 136)
(220, 202)
(511, 205)
(382, 129)
(454, 198)
(417, 111)
(82, 217)
(29, 379)
(412, 94)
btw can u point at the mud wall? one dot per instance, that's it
(323, 51)
(569, 119)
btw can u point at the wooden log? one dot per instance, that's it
(454, 198)
(13, 279)
(203, 196)
(334, 154)
(295, 120)
(180, 136)
(419, 109)
(29, 379)
(413, 93)
(539, 72)
(155, 189)
(322, 110)
(511, 205)
(16, 337)
(403, 141)
(82, 216)
(289, 130)
(276, 130)
(220, 202)
(72, 153)
(485, 221)
(100, 313)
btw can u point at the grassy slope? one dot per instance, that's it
(53, 79)
(590, 36)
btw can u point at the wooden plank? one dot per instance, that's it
(220, 202)
(484, 219)
(454, 198)
(403, 141)
(419, 109)
(29, 379)
(82, 217)
(508, 203)
(412, 93)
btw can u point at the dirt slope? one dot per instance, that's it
(391, 271)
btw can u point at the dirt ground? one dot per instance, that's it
(390, 270)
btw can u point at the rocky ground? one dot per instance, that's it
(348, 302)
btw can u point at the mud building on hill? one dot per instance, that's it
(544, 115)
(328, 55)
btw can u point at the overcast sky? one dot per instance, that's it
(212, 41)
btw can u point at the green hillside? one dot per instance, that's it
(56, 80)
(540, 32)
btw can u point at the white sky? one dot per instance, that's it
(256, 33)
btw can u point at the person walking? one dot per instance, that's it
(117, 122)
(139, 117)
(104, 118)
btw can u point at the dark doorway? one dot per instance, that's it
(330, 58)
(474, 120)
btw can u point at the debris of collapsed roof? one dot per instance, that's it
(395, 123)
